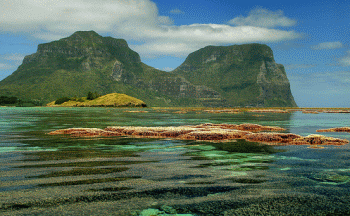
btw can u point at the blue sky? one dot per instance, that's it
(310, 38)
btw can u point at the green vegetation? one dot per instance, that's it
(62, 100)
(4, 100)
(212, 76)
(14, 101)
(109, 100)
(92, 96)
(234, 72)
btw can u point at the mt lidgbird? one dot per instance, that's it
(238, 75)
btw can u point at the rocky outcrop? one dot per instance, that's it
(208, 132)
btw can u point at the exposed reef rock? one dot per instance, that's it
(269, 111)
(207, 132)
(272, 137)
(234, 111)
(336, 111)
(340, 129)
(310, 112)
(315, 139)
(294, 139)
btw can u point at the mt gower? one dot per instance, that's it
(238, 75)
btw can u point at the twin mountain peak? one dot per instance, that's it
(225, 76)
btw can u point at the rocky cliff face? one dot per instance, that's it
(274, 85)
(243, 75)
(164, 83)
(87, 49)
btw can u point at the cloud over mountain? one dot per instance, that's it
(345, 60)
(137, 20)
(328, 45)
(263, 18)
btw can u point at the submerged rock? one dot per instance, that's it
(327, 177)
(207, 132)
(79, 132)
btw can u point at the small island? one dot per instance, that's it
(95, 100)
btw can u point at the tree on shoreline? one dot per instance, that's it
(4, 100)
(92, 96)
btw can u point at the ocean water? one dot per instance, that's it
(61, 175)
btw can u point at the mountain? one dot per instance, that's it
(245, 75)
(240, 75)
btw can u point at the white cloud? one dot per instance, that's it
(168, 69)
(328, 45)
(68, 16)
(180, 40)
(13, 56)
(345, 61)
(5, 66)
(176, 11)
(10, 61)
(164, 20)
(136, 20)
(263, 18)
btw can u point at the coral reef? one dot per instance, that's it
(315, 139)
(269, 111)
(310, 111)
(340, 129)
(79, 132)
(234, 111)
(336, 111)
(272, 137)
(208, 132)
(136, 111)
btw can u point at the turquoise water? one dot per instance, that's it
(43, 174)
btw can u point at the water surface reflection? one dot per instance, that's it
(42, 174)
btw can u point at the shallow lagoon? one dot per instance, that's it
(50, 175)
